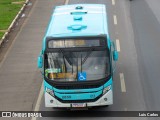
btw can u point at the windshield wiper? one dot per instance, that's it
(88, 54)
(68, 60)
(81, 62)
(77, 69)
(77, 66)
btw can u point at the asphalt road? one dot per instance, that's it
(146, 26)
(135, 25)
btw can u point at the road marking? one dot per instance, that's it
(123, 86)
(38, 103)
(66, 2)
(113, 2)
(118, 45)
(115, 19)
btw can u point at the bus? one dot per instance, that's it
(78, 58)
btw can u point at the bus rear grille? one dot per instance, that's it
(78, 101)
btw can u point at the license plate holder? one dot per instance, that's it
(78, 105)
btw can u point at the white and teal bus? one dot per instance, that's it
(76, 57)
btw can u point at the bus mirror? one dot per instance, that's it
(39, 62)
(115, 55)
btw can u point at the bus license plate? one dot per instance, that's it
(78, 104)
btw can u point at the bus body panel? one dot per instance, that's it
(58, 23)
(109, 82)
(100, 102)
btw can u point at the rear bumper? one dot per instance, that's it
(99, 102)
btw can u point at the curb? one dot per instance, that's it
(13, 22)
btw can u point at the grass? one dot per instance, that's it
(1, 34)
(8, 11)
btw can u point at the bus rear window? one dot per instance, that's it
(65, 43)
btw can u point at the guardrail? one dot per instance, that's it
(13, 22)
